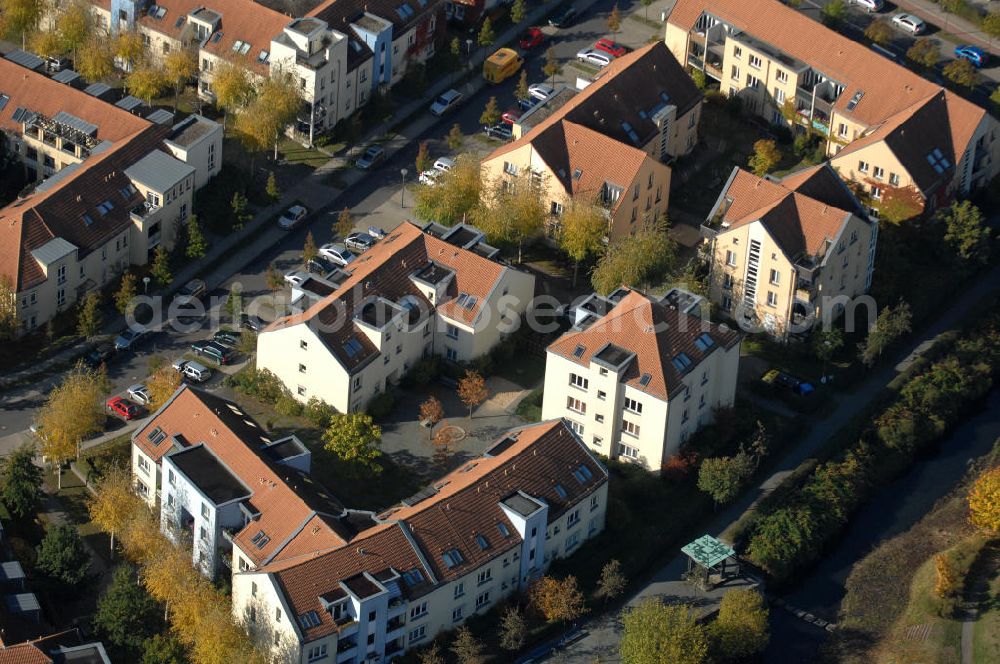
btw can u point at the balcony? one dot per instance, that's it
(143, 211)
(711, 227)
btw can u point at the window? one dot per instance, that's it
(781, 75)
(203, 534)
(451, 354)
(452, 558)
(413, 577)
(752, 81)
(144, 464)
(630, 428)
(628, 451)
(737, 52)
(572, 519)
(309, 619)
(735, 73)
(598, 441)
(681, 362)
(483, 599)
(879, 173)
(572, 541)
(452, 332)
(779, 95)
(594, 503)
(482, 541)
(775, 277)
(277, 614)
(842, 130)
(459, 589)
(300, 390)
(894, 179)
(418, 611)
(484, 576)
(61, 274)
(418, 633)
(302, 368)
(755, 62)
(578, 381)
(704, 341)
(303, 344)
(576, 427)
(772, 299)
(730, 258)
(171, 478)
(862, 166)
(701, 402)
(684, 416)
(317, 652)
(576, 405)
(876, 193)
(633, 406)
(599, 418)
(456, 614)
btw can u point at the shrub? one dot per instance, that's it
(381, 405)
(530, 408)
(423, 372)
(260, 384)
(318, 411)
(288, 406)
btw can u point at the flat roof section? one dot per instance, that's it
(208, 474)
(522, 505)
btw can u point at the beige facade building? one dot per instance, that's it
(786, 253)
(635, 377)
(776, 60)
(416, 293)
(108, 192)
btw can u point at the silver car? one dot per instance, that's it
(139, 394)
(592, 56)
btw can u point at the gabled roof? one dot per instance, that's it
(448, 516)
(385, 271)
(38, 651)
(655, 333)
(801, 224)
(340, 13)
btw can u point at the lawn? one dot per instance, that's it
(986, 634)
(295, 153)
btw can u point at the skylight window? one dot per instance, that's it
(413, 577)
(578, 351)
(937, 161)
(245, 48)
(502, 527)
(87, 219)
(263, 56)
(577, 173)
(352, 347)
(260, 540)
(704, 342)
(105, 207)
(681, 362)
(309, 619)
(3, 101)
(561, 490)
(452, 558)
(631, 132)
(156, 436)
(582, 474)
(855, 99)
(216, 37)
(237, 45)
(482, 542)
(644, 379)
(20, 114)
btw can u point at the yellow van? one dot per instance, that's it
(502, 65)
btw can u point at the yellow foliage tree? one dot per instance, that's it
(162, 385)
(232, 88)
(46, 43)
(71, 413)
(984, 501)
(114, 503)
(129, 47)
(146, 81)
(944, 586)
(179, 67)
(75, 25)
(557, 600)
(95, 60)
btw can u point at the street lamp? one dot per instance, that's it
(402, 190)
(145, 285)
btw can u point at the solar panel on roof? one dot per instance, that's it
(64, 118)
(97, 89)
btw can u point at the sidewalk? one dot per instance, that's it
(603, 632)
(949, 23)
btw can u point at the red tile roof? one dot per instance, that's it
(37, 650)
(655, 333)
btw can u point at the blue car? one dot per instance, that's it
(973, 54)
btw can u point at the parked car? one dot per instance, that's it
(320, 265)
(139, 394)
(789, 382)
(252, 323)
(196, 288)
(444, 163)
(228, 338)
(56, 64)
(292, 217)
(337, 254)
(446, 102)
(118, 407)
(594, 57)
(525, 105)
(909, 23)
(430, 177)
(193, 370)
(541, 91)
(870, 6)
(531, 38)
(188, 299)
(130, 338)
(295, 277)
(100, 355)
(214, 351)
(499, 132)
(510, 116)
(377, 232)
(372, 157)
(610, 47)
(973, 54)
(359, 242)
(564, 18)
(179, 364)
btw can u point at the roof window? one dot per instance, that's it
(309, 619)
(260, 540)
(578, 351)
(704, 341)
(413, 577)
(452, 558)
(681, 362)
(502, 527)
(644, 379)
(561, 490)
(352, 347)
(582, 474)
(482, 542)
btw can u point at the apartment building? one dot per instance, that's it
(108, 192)
(416, 293)
(454, 550)
(785, 252)
(635, 376)
(774, 58)
(58, 648)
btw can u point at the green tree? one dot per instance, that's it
(455, 196)
(62, 556)
(614, 20)
(513, 211)
(765, 157)
(20, 17)
(491, 113)
(72, 412)
(518, 11)
(344, 224)
(879, 32)
(724, 477)
(309, 249)
(241, 210)
(163, 649)
(179, 67)
(965, 231)
(126, 292)
(740, 631)
(455, 137)
(924, 53)
(486, 35)
(698, 77)
(95, 59)
(521, 92)
(826, 343)
(160, 271)
(8, 308)
(354, 437)
(612, 582)
(423, 160)
(582, 228)
(962, 73)
(20, 481)
(126, 615)
(891, 324)
(272, 190)
(467, 648)
(551, 66)
(197, 243)
(991, 25)
(654, 632)
(635, 260)
(90, 318)
(75, 24)
(834, 12)
(513, 631)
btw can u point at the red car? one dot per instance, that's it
(511, 116)
(610, 47)
(119, 407)
(531, 38)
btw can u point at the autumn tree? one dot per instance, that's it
(232, 88)
(146, 81)
(924, 52)
(455, 137)
(946, 577)
(518, 11)
(879, 32)
(513, 210)
(724, 477)
(271, 188)
(582, 227)
(431, 655)
(740, 630)
(899, 204)
(557, 600)
(273, 278)
(62, 556)
(126, 615)
(521, 92)
(46, 43)
(614, 20)
(962, 73)
(160, 271)
(455, 196)
(513, 631)
(126, 292)
(551, 66)
(274, 104)
(826, 343)
(966, 231)
(654, 632)
(20, 17)
(472, 390)
(984, 501)
(8, 308)
(635, 260)
(75, 24)
(161, 385)
(20, 481)
(765, 157)
(240, 206)
(72, 412)
(612, 582)
(355, 438)
(114, 502)
(197, 243)
(96, 59)
(467, 648)
(309, 249)
(491, 113)
(486, 35)
(129, 48)
(423, 161)
(891, 324)
(431, 412)
(179, 67)
(991, 25)
(344, 224)
(90, 316)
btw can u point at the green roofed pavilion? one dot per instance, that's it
(711, 556)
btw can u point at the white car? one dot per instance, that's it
(139, 394)
(541, 91)
(292, 217)
(444, 163)
(909, 23)
(446, 102)
(869, 6)
(430, 177)
(296, 277)
(592, 56)
(337, 253)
